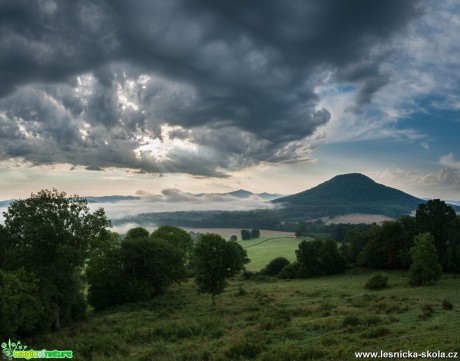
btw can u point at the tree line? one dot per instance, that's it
(247, 234)
(388, 245)
(425, 245)
(52, 248)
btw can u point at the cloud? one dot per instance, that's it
(449, 161)
(416, 75)
(172, 199)
(216, 86)
(444, 183)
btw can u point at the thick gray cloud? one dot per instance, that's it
(87, 82)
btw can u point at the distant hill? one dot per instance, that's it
(6, 203)
(354, 193)
(111, 199)
(241, 193)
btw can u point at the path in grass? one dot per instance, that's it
(262, 250)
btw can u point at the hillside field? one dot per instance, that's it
(324, 318)
(228, 232)
(355, 218)
(262, 250)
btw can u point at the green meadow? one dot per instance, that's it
(324, 318)
(262, 250)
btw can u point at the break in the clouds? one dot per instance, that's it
(198, 87)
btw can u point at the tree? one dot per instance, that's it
(106, 279)
(331, 260)
(137, 232)
(137, 270)
(439, 219)
(425, 267)
(307, 257)
(153, 265)
(216, 260)
(22, 310)
(255, 233)
(245, 234)
(354, 241)
(56, 232)
(177, 237)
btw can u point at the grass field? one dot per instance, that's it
(359, 218)
(325, 318)
(262, 250)
(228, 232)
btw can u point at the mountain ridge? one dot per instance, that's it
(351, 193)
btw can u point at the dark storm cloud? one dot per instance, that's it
(237, 77)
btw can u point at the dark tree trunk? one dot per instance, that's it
(57, 321)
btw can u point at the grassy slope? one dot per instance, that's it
(325, 318)
(262, 250)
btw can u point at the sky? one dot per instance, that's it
(146, 97)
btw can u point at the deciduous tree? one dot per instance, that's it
(425, 267)
(51, 234)
(177, 237)
(255, 233)
(245, 234)
(216, 260)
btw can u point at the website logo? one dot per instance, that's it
(16, 350)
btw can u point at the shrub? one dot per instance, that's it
(377, 282)
(427, 311)
(447, 305)
(241, 291)
(290, 270)
(247, 349)
(292, 352)
(351, 321)
(247, 275)
(275, 266)
(376, 332)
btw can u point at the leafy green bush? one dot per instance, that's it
(247, 275)
(447, 305)
(427, 311)
(377, 282)
(290, 271)
(275, 266)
